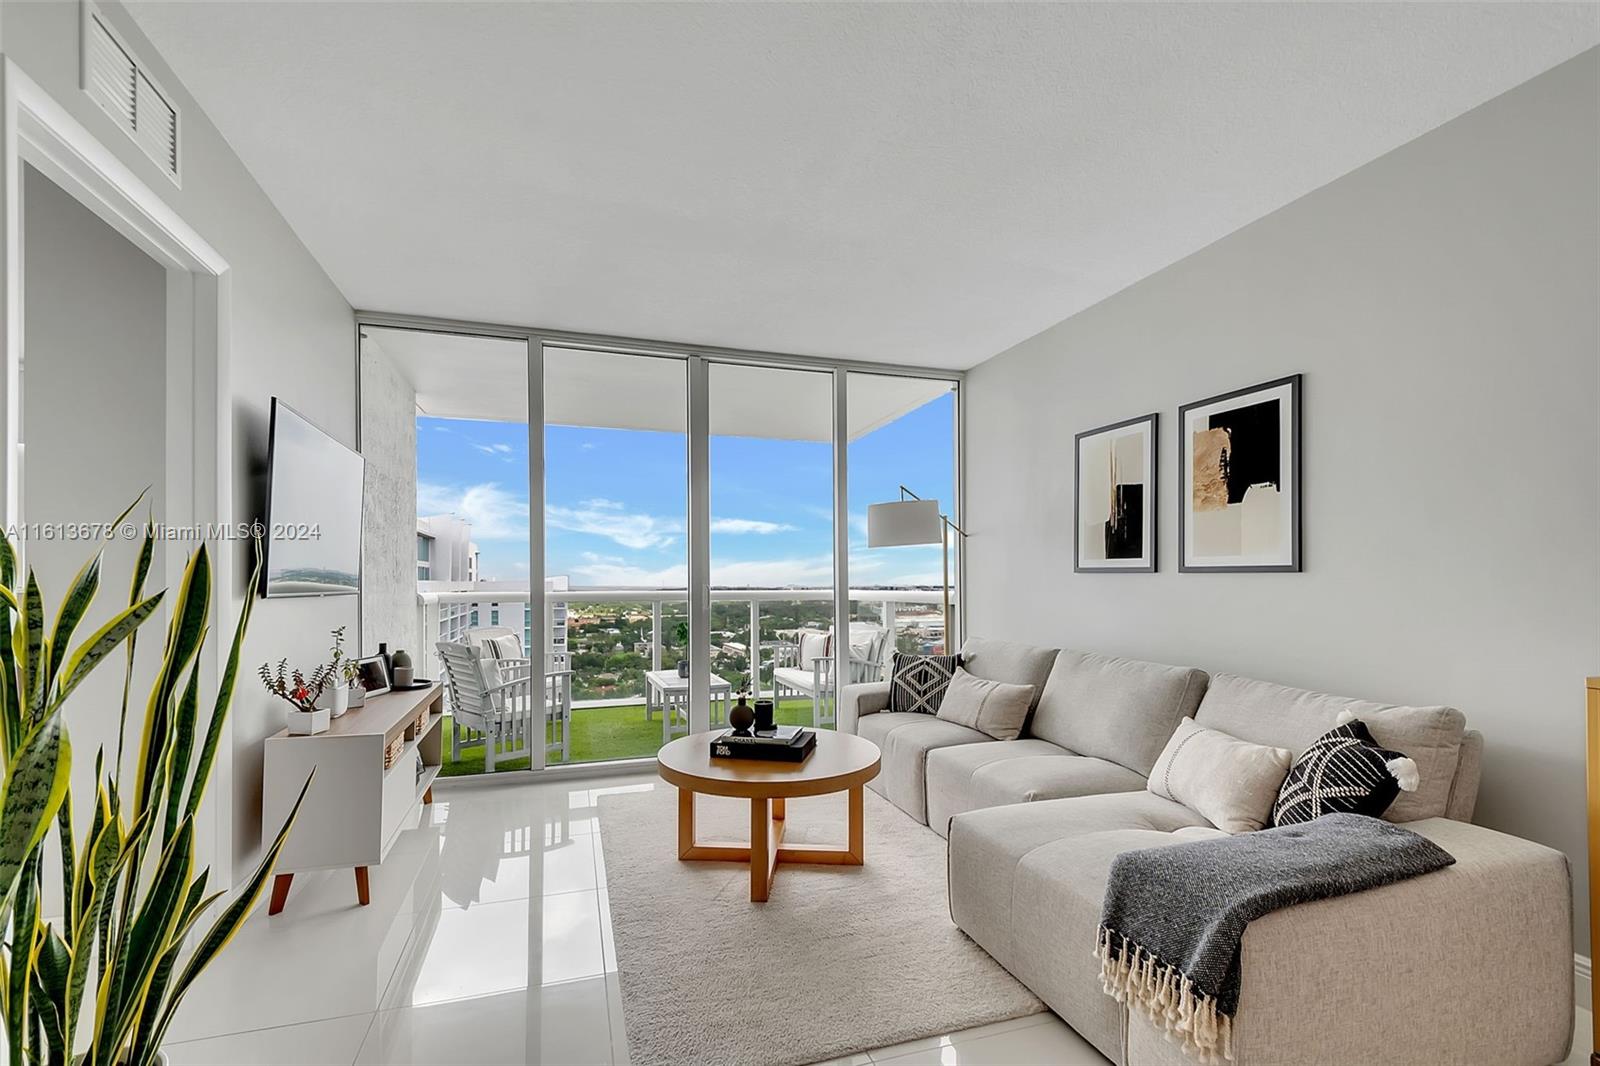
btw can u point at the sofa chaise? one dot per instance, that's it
(1471, 964)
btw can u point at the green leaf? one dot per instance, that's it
(84, 588)
(143, 944)
(24, 946)
(224, 701)
(141, 571)
(35, 786)
(183, 640)
(33, 625)
(182, 746)
(103, 643)
(50, 991)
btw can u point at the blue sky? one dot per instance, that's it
(616, 500)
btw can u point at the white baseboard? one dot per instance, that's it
(1582, 980)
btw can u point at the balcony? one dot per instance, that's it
(609, 638)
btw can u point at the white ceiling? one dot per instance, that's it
(924, 184)
(457, 376)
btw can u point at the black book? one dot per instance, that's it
(797, 751)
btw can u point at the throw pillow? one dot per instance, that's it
(1231, 783)
(993, 708)
(917, 682)
(1344, 770)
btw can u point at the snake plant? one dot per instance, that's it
(99, 984)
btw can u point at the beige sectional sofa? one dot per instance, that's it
(1472, 964)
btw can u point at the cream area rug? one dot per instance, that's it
(840, 959)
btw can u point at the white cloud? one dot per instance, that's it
(748, 525)
(495, 514)
(607, 518)
(610, 570)
(492, 449)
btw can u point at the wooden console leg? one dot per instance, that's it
(280, 892)
(362, 892)
(779, 806)
(427, 797)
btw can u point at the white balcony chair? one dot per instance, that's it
(491, 701)
(806, 667)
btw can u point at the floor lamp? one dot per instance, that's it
(913, 520)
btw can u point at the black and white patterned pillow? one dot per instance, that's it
(1343, 771)
(917, 682)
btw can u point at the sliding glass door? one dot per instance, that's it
(771, 540)
(615, 550)
(650, 530)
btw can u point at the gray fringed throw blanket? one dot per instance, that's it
(1174, 917)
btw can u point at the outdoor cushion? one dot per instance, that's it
(1118, 709)
(1293, 718)
(973, 776)
(1015, 664)
(905, 740)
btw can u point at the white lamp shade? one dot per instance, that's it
(890, 525)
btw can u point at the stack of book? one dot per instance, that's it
(785, 743)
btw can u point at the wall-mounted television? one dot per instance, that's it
(313, 519)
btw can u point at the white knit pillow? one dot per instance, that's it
(1229, 782)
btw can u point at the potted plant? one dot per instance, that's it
(302, 693)
(681, 633)
(342, 674)
(100, 960)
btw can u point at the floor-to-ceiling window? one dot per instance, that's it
(771, 530)
(615, 548)
(566, 520)
(903, 443)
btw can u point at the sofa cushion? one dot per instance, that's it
(993, 708)
(973, 776)
(918, 682)
(1293, 718)
(905, 740)
(1016, 664)
(1231, 782)
(1026, 883)
(1118, 709)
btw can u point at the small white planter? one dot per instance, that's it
(339, 702)
(305, 723)
(358, 695)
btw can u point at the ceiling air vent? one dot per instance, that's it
(113, 76)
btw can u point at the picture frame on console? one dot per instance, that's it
(1239, 460)
(1114, 497)
(372, 676)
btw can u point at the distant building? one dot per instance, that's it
(445, 551)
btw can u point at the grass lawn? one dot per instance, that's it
(600, 733)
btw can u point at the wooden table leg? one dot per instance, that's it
(427, 796)
(779, 808)
(280, 892)
(761, 852)
(858, 827)
(685, 823)
(363, 893)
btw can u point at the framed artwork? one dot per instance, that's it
(373, 676)
(1239, 457)
(1114, 517)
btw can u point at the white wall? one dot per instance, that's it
(94, 411)
(389, 506)
(1441, 302)
(292, 336)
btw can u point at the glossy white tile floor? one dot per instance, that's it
(487, 941)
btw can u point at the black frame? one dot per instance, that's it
(1152, 495)
(1186, 474)
(362, 665)
(262, 587)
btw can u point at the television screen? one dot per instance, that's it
(313, 520)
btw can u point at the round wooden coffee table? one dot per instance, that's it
(842, 762)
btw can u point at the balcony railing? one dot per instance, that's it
(448, 615)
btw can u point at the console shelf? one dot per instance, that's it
(355, 806)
